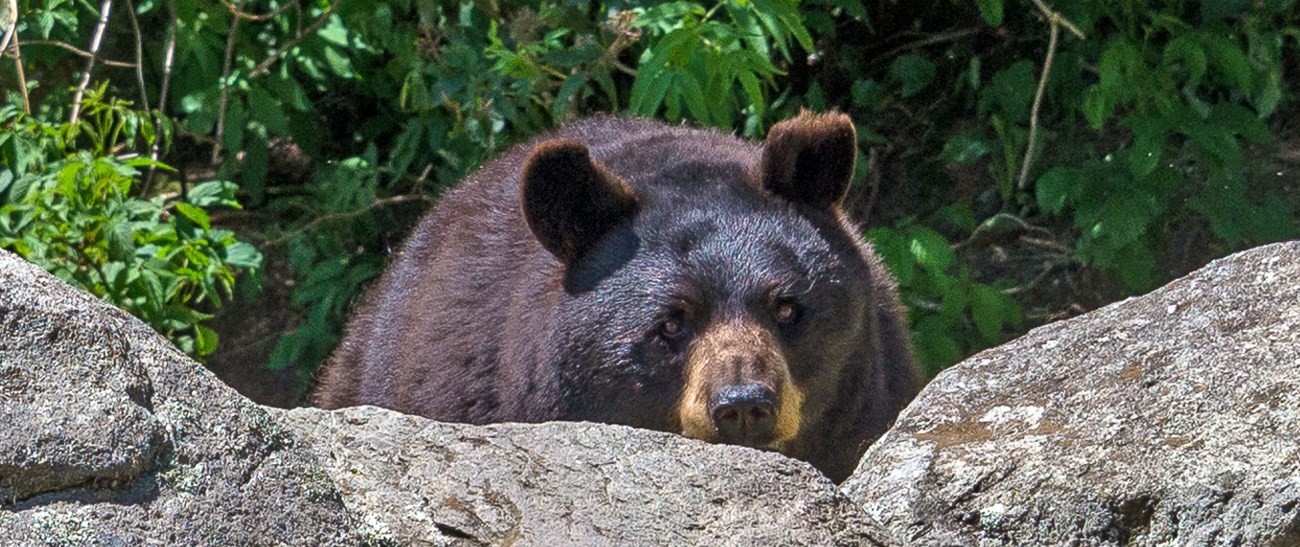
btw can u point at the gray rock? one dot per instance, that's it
(570, 484)
(1169, 419)
(109, 435)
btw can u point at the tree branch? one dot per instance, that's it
(1055, 22)
(348, 214)
(104, 10)
(12, 32)
(224, 103)
(169, 55)
(265, 66)
(139, 56)
(81, 52)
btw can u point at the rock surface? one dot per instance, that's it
(570, 484)
(111, 436)
(1169, 419)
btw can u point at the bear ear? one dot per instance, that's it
(569, 199)
(809, 159)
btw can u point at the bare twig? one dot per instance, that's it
(169, 55)
(419, 181)
(224, 102)
(104, 10)
(12, 33)
(265, 66)
(234, 10)
(349, 214)
(1056, 18)
(932, 40)
(1055, 22)
(11, 24)
(81, 52)
(22, 77)
(139, 55)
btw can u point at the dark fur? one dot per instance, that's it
(548, 304)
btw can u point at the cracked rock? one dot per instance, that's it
(1168, 419)
(111, 436)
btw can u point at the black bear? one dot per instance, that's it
(664, 277)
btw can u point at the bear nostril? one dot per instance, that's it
(744, 414)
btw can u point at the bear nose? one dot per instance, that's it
(744, 414)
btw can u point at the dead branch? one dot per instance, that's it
(104, 10)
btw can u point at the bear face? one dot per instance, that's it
(736, 289)
(629, 272)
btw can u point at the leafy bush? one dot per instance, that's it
(68, 205)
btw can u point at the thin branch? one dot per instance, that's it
(932, 40)
(1055, 22)
(12, 32)
(224, 103)
(169, 55)
(12, 22)
(419, 181)
(82, 53)
(22, 76)
(139, 56)
(1056, 18)
(1038, 103)
(234, 10)
(345, 215)
(265, 66)
(104, 10)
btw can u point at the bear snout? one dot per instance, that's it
(738, 388)
(744, 414)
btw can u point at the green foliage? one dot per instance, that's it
(68, 205)
(1187, 98)
(1147, 129)
(713, 69)
(949, 313)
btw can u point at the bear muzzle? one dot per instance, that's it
(738, 389)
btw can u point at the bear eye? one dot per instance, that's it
(787, 312)
(671, 327)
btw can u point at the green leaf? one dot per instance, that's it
(1240, 120)
(339, 63)
(991, 11)
(991, 310)
(1097, 106)
(1227, 55)
(1054, 188)
(194, 214)
(1192, 55)
(1148, 143)
(690, 92)
(212, 193)
(964, 149)
(243, 255)
(913, 72)
(567, 93)
(930, 249)
(205, 340)
(121, 242)
(265, 109)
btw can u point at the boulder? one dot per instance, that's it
(1168, 419)
(112, 436)
(570, 484)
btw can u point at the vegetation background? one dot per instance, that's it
(235, 172)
